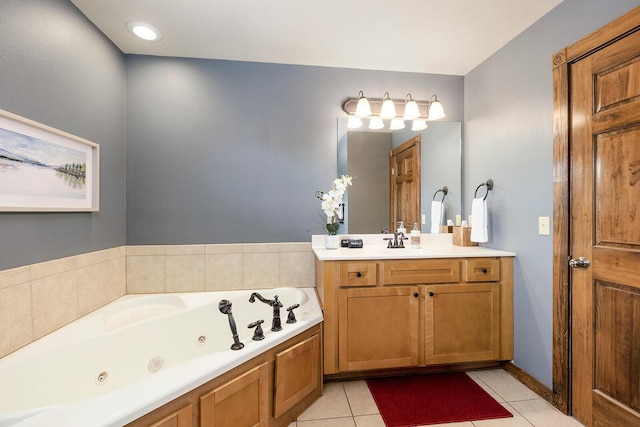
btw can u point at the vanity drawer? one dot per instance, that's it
(357, 274)
(481, 270)
(421, 271)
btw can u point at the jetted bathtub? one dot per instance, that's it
(138, 353)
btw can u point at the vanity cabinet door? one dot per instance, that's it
(180, 418)
(378, 328)
(462, 323)
(241, 402)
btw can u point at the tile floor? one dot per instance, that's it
(350, 404)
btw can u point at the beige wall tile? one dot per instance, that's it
(145, 274)
(117, 278)
(223, 271)
(223, 249)
(53, 267)
(296, 247)
(146, 250)
(184, 273)
(15, 318)
(93, 257)
(297, 269)
(251, 248)
(55, 302)
(261, 270)
(184, 250)
(14, 276)
(93, 287)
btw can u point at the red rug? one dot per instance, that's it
(416, 400)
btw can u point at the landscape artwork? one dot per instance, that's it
(43, 169)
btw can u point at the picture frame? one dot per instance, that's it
(43, 169)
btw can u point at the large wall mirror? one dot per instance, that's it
(364, 154)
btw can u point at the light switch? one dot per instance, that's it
(544, 228)
(424, 219)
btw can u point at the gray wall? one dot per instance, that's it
(233, 152)
(508, 137)
(56, 68)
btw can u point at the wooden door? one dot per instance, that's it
(405, 184)
(602, 88)
(462, 323)
(378, 328)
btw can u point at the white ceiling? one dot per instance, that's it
(425, 36)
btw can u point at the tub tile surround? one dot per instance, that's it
(40, 298)
(193, 268)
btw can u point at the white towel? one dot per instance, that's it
(479, 228)
(436, 216)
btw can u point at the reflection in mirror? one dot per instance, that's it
(364, 154)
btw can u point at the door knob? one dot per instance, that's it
(581, 262)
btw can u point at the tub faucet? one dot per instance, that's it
(276, 325)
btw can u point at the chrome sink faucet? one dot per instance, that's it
(276, 324)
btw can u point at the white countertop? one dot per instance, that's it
(374, 247)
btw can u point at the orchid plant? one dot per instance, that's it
(332, 201)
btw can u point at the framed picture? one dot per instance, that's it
(45, 169)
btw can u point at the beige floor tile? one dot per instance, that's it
(328, 422)
(374, 420)
(360, 398)
(506, 386)
(465, 424)
(485, 387)
(332, 404)
(516, 421)
(293, 424)
(541, 413)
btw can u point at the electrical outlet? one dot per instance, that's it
(544, 229)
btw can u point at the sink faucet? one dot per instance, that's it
(276, 325)
(397, 240)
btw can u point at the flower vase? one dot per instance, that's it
(331, 241)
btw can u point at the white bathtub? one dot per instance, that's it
(138, 353)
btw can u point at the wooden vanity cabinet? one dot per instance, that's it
(418, 312)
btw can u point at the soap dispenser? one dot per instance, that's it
(401, 229)
(415, 237)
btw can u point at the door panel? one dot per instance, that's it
(405, 184)
(605, 228)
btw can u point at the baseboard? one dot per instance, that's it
(531, 382)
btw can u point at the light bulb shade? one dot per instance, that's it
(354, 123)
(436, 112)
(396, 124)
(388, 109)
(411, 109)
(376, 123)
(363, 109)
(419, 125)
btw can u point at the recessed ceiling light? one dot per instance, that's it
(144, 31)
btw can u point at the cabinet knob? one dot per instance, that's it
(484, 270)
(431, 294)
(358, 274)
(415, 294)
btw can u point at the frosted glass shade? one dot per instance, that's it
(419, 125)
(397, 124)
(354, 123)
(376, 123)
(363, 109)
(388, 109)
(436, 112)
(411, 110)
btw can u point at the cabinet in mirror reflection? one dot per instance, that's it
(364, 154)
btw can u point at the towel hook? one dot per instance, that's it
(488, 184)
(444, 190)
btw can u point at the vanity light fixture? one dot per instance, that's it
(396, 124)
(354, 123)
(144, 31)
(419, 124)
(436, 112)
(376, 123)
(411, 109)
(363, 109)
(388, 109)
